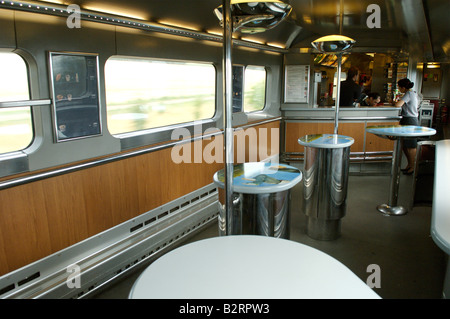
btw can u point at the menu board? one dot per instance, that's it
(296, 84)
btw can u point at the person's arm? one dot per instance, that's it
(403, 100)
(400, 103)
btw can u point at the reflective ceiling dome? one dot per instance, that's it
(333, 43)
(254, 17)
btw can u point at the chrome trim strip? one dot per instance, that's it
(25, 103)
(352, 153)
(13, 163)
(60, 10)
(347, 118)
(40, 176)
(260, 123)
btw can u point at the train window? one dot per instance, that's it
(254, 88)
(16, 131)
(145, 93)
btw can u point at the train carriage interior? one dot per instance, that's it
(122, 123)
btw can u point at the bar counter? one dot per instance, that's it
(301, 121)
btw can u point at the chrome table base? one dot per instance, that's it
(392, 210)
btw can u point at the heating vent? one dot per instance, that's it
(113, 253)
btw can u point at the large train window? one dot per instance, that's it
(254, 88)
(16, 131)
(144, 93)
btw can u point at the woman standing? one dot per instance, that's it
(409, 104)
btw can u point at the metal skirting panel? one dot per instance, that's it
(354, 156)
(78, 271)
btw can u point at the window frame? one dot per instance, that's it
(265, 88)
(22, 103)
(147, 135)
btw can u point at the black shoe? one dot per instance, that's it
(408, 172)
(405, 169)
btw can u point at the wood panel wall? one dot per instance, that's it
(364, 142)
(40, 218)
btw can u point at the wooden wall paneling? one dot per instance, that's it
(65, 210)
(43, 217)
(296, 130)
(24, 228)
(355, 130)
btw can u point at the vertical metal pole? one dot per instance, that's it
(395, 172)
(338, 93)
(338, 84)
(228, 113)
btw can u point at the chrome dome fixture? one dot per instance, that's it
(247, 17)
(333, 43)
(254, 17)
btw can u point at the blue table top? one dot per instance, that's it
(261, 178)
(401, 130)
(326, 141)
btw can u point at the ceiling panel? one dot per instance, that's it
(405, 25)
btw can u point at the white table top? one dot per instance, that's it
(261, 178)
(248, 267)
(440, 218)
(401, 130)
(326, 141)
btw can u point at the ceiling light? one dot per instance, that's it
(333, 43)
(254, 17)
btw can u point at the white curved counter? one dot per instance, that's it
(440, 218)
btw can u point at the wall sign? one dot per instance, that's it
(296, 84)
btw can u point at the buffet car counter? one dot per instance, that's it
(299, 122)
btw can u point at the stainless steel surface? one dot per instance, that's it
(228, 112)
(25, 103)
(362, 118)
(255, 17)
(391, 208)
(13, 163)
(325, 190)
(338, 45)
(338, 91)
(256, 214)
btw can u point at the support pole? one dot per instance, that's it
(228, 111)
(338, 93)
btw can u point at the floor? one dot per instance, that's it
(411, 265)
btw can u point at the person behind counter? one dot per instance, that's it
(371, 99)
(350, 90)
(409, 104)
